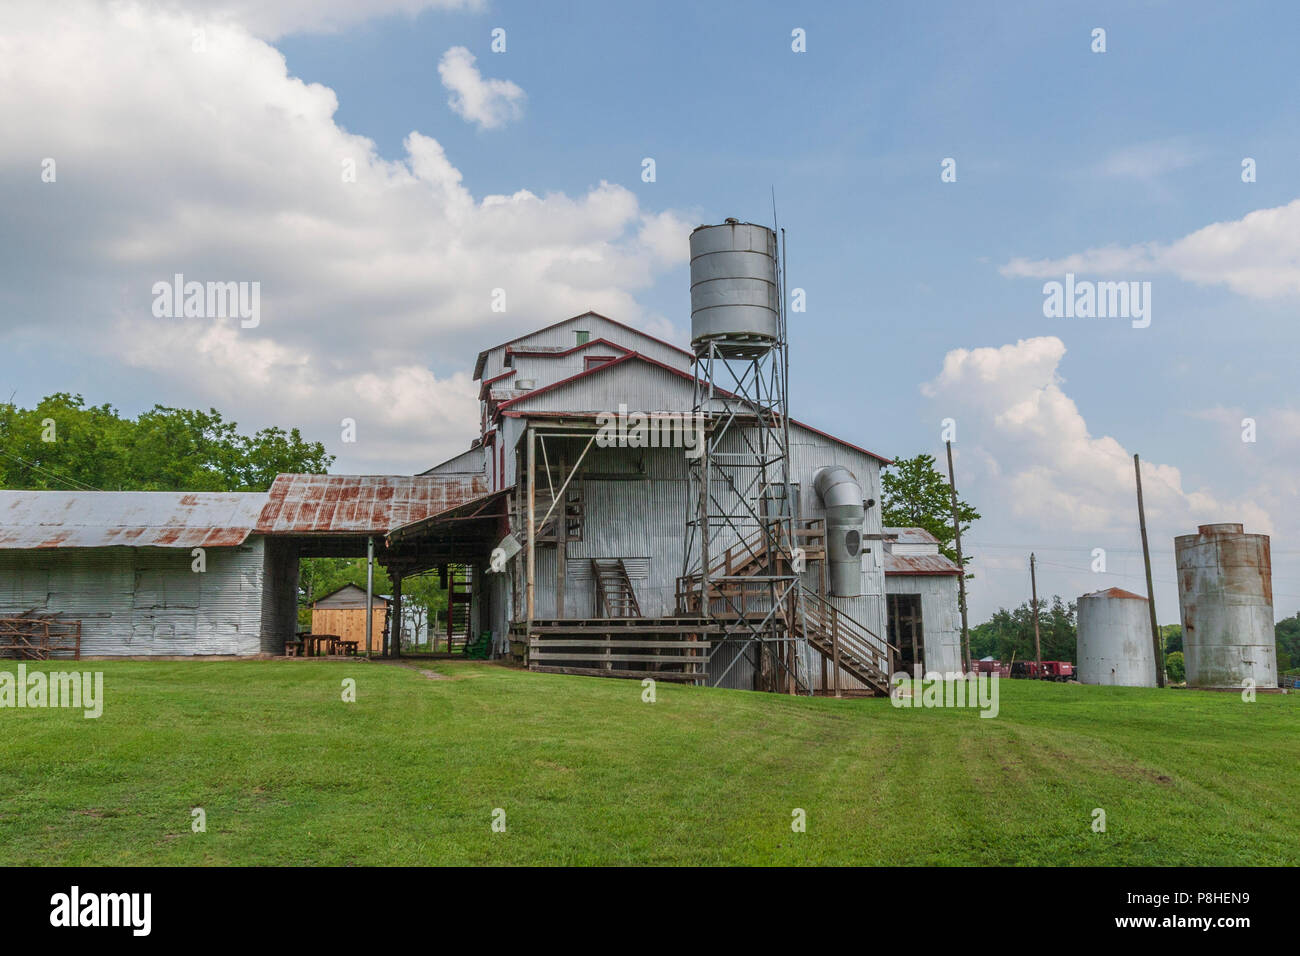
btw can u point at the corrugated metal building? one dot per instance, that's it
(121, 561)
(632, 501)
(200, 573)
(147, 573)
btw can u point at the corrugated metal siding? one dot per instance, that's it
(472, 462)
(940, 617)
(144, 601)
(563, 335)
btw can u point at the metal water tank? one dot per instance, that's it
(1115, 644)
(734, 297)
(1225, 596)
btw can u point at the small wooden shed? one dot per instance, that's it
(343, 612)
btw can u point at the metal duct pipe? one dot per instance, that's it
(842, 495)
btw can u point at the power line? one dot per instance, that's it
(78, 485)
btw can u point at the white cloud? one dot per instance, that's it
(1257, 256)
(375, 293)
(488, 104)
(270, 19)
(1028, 460)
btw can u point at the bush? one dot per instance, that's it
(1174, 667)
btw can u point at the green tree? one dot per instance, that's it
(915, 495)
(318, 577)
(1009, 633)
(1172, 635)
(1175, 668)
(62, 443)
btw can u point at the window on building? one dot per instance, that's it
(594, 360)
(583, 337)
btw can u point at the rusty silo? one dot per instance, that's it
(1115, 639)
(1225, 595)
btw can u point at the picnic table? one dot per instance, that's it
(315, 645)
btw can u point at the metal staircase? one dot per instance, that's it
(839, 638)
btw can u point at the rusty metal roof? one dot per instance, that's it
(919, 564)
(138, 519)
(361, 504)
(912, 562)
(1116, 593)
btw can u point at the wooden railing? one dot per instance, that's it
(846, 641)
(749, 556)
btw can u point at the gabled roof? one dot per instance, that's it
(378, 598)
(605, 367)
(482, 356)
(137, 519)
(361, 504)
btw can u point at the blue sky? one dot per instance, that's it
(1059, 150)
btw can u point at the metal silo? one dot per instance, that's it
(1225, 596)
(734, 297)
(1115, 639)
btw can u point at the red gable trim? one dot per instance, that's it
(637, 356)
(482, 356)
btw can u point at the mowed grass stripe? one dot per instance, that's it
(587, 773)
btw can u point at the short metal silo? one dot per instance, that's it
(735, 301)
(1115, 639)
(1225, 596)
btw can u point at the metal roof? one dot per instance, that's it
(361, 504)
(936, 564)
(1116, 593)
(138, 519)
(482, 356)
(912, 536)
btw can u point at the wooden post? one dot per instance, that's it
(531, 581)
(370, 589)
(835, 646)
(1151, 595)
(395, 616)
(961, 578)
(561, 546)
(1033, 584)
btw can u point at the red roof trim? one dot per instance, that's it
(482, 356)
(501, 409)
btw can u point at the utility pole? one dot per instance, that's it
(961, 578)
(1151, 596)
(1033, 584)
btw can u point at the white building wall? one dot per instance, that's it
(144, 601)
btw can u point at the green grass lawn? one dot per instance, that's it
(587, 773)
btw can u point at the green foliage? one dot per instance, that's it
(915, 495)
(64, 444)
(318, 577)
(1172, 635)
(1175, 668)
(1287, 633)
(1012, 632)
